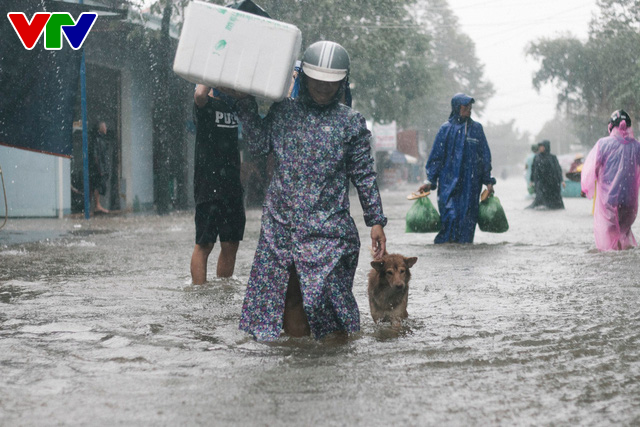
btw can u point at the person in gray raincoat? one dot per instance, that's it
(302, 275)
(546, 174)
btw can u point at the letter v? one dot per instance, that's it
(28, 32)
(77, 34)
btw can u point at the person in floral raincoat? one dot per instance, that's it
(302, 275)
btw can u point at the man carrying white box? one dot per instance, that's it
(216, 183)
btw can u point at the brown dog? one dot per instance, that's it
(389, 287)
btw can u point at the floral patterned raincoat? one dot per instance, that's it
(306, 220)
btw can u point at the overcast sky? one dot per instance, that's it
(501, 30)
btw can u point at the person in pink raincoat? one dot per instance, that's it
(611, 174)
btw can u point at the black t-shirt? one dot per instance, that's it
(217, 159)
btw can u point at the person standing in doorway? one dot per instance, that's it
(217, 187)
(546, 175)
(611, 174)
(458, 166)
(100, 152)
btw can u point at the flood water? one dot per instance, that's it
(99, 325)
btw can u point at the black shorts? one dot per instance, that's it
(224, 218)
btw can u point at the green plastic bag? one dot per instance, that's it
(491, 216)
(422, 217)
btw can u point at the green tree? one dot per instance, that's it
(408, 57)
(622, 12)
(453, 65)
(599, 75)
(388, 49)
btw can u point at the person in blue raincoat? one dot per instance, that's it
(458, 166)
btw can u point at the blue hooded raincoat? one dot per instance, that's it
(458, 166)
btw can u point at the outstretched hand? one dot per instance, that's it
(378, 241)
(424, 188)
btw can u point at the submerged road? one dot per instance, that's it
(99, 325)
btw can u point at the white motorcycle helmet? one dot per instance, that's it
(326, 61)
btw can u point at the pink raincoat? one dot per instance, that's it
(611, 173)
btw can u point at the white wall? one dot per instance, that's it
(32, 183)
(137, 140)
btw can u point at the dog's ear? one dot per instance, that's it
(410, 261)
(377, 265)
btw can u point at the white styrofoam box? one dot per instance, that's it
(225, 47)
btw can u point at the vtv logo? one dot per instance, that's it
(54, 25)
